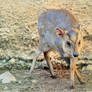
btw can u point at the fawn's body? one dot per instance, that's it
(59, 30)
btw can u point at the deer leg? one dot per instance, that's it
(71, 74)
(34, 60)
(76, 71)
(79, 77)
(49, 64)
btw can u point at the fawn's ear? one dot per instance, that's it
(60, 32)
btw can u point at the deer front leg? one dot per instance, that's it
(34, 61)
(71, 74)
(76, 71)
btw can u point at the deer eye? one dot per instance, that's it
(68, 43)
(79, 42)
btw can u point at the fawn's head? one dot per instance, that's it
(72, 42)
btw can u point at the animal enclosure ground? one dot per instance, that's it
(42, 82)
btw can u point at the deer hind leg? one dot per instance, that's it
(46, 55)
(38, 52)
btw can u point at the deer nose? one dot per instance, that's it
(75, 54)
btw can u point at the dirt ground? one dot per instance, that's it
(19, 38)
(42, 82)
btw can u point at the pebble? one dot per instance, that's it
(4, 61)
(12, 61)
(84, 62)
(5, 87)
(89, 67)
(22, 63)
(34, 81)
(7, 77)
(19, 82)
(84, 68)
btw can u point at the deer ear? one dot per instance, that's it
(60, 32)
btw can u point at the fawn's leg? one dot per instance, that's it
(71, 73)
(46, 55)
(76, 71)
(73, 70)
(34, 60)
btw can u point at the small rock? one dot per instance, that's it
(12, 61)
(90, 62)
(34, 81)
(1, 67)
(19, 66)
(4, 61)
(19, 82)
(84, 68)
(89, 55)
(7, 77)
(5, 87)
(0, 64)
(89, 67)
(84, 62)
(22, 63)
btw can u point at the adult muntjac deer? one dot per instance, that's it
(60, 31)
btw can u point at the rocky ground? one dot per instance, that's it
(19, 40)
